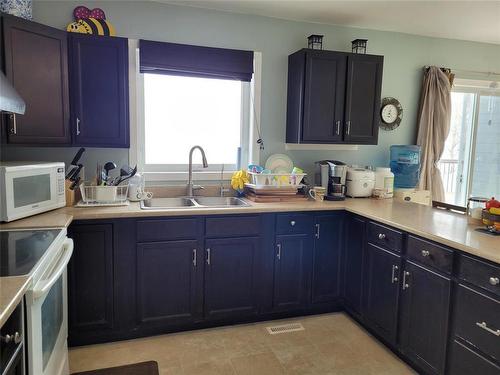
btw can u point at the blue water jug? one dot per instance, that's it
(405, 164)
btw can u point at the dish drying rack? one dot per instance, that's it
(99, 196)
(276, 180)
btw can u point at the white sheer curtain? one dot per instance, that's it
(433, 127)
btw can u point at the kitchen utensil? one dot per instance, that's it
(125, 174)
(279, 163)
(77, 157)
(75, 172)
(109, 166)
(74, 184)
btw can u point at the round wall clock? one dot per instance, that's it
(391, 113)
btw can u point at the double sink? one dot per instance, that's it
(192, 202)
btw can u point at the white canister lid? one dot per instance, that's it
(383, 169)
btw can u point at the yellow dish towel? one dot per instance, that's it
(239, 179)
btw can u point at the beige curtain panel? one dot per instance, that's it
(433, 127)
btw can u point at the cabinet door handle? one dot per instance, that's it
(13, 119)
(77, 126)
(381, 236)
(317, 231)
(394, 278)
(208, 256)
(348, 130)
(292, 223)
(278, 254)
(337, 132)
(484, 326)
(425, 253)
(194, 257)
(405, 284)
(494, 281)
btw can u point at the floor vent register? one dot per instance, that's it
(285, 328)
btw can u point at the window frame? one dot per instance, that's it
(467, 86)
(250, 128)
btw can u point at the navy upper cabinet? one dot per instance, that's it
(36, 63)
(99, 90)
(324, 97)
(333, 97)
(364, 83)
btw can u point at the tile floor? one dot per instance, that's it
(330, 344)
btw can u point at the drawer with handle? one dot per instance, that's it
(465, 361)
(292, 223)
(430, 254)
(388, 238)
(477, 320)
(479, 273)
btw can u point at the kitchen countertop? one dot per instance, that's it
(444, 227)
(12, 290)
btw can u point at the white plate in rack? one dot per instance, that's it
(279, 163)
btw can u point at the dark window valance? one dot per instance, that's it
(195, 61)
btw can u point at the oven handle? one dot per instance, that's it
(44, 286)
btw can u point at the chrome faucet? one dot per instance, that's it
(190, 186)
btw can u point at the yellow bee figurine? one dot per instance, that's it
(92, 26)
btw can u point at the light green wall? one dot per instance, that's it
(276, 39)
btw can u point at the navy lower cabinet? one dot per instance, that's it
(381, 291)
(169, 283)
(91, 280)
(355, 230)
(231, 273)
(292, 271)
(425, 305)
(325, 287)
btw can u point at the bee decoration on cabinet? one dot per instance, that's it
(90, 22)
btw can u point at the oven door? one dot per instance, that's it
(30, 191)
(47, 317)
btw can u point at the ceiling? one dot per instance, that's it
(466, 20)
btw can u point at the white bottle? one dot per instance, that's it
(384, 180)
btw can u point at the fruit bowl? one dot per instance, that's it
(492, 221)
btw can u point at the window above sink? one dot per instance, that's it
(175, 112)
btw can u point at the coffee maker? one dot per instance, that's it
(331, 174)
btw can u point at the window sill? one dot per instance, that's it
(183, 176)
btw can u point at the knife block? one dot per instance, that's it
(72, 196)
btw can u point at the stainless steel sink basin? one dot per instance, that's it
(158, 203)
(195, 202)
(220, 201)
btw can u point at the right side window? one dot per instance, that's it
(470, 164)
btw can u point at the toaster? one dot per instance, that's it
(359, 182)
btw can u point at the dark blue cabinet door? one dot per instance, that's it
(326, 258)
(168, 283)
(36, 63)
(382, 291)
(292, 270)
(99, 90)
(424, 317)
(231, 272)
(91, 280)
(324, 96)
(364, 84)
(355, 230)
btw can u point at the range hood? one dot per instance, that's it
(10, 101)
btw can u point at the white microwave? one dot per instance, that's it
(29, 188)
